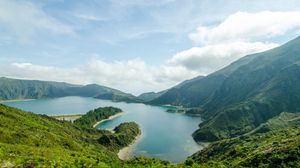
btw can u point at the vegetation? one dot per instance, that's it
(194, 111)
(284, 120)
(122, 136)
(92, 117)
(31, 140)
(274, 144)
(33, 89)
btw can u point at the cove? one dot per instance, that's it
(164, 135)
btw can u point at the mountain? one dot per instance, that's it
(254, 93)
(197, 91)
(241, 96)
(34, 89)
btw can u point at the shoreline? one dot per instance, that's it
(109, 118)
(67, 117)
(15, 100)
(124, 153)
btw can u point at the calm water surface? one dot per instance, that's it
(164, 135)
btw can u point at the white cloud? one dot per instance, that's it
(244, 26)
(210, 58)
(31, 71)
(132, 76)
(25, 20)
(238, 35)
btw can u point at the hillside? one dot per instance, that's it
(238, 98)
(34, 89)
(254, 93)
(284, 120)
(274, 144)
(157, 98)
(197, 91)
(39, 140)
(192, 93)
(31, 140)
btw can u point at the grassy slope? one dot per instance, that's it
(275, 143)
(29, 139)
(281, 93)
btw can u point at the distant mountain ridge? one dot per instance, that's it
(146, 97)
(35, 89)
(150, 96)
(241, 96)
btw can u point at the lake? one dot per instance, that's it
(164, 135)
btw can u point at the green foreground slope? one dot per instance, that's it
(28, 139)
(275, 143)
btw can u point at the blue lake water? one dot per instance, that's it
(164, 135)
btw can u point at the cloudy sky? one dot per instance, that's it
(137, 45)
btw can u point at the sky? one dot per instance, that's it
(137, 45)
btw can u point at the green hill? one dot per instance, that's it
(34, 89)
(275, 143)
(31, 140)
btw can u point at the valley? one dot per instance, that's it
(160, 131)
(244, 115)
